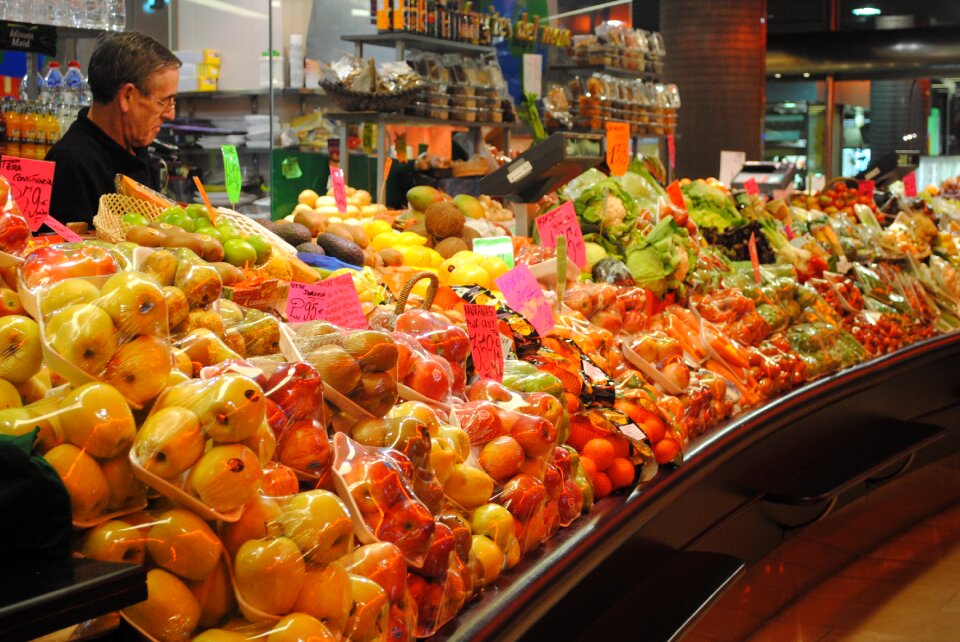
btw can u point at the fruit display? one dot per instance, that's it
(306, 479)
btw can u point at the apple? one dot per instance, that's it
(318, 521)
(263, 443)
(215, 595)
(68, 260)
(20, 421)
(535, 434)
(495, 522)
(369, 613)
(486, 561)
(553, 481)
(169, 442)
(226, 477)
(258, 521)
(178, 308)
(459, 439)
(175, 377)
(501, 457)
(326, 595)
(96, 417)
(36, 387)
(442, 458)
(570, 502)
(533, 531)
(382, 562)
(279, 480)
(170, 613)
(430, 378)
(125, 489)
(139, 369)
(21, 354)
(421, 411)
(10, 303)
(461, 532)
(136, 303)
(206, 348)
(523, 496)
(304, 446)
(469, 487)
(410, 436)
(114, 541)
(84, 335)
(388, 483)
(86, 485)
(220, 635)
(298, 389)
(182, 363)
(409, 525)
(230, 406)
(184, 544)
(299, 627)
(437, 560)
(9, 395)
(276, 417)
(14, 231)
(269, 574)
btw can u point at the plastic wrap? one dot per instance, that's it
(14, 230)
(52, 263)
(440, 337)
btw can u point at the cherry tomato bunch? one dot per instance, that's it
(837, 198)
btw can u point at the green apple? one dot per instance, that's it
(173, 210)
(227, 231)
(169, 442)
(230, 406)
(86, 485)
(170, 613)
(114, 541)
(184, 544)
(139, 368)
(134, 218)
(67, 292)
(96, 417)
(84, 335)
(136, 304)
(198, 211)
(262, 246)
(319, 523)
(21, 354)
(270, 573)
(239, 252)
(176, 216)
(226, 477)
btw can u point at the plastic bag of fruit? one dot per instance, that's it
(14, 230)
(597, 302)
(525, 340)
(51, 263)
(424, 375)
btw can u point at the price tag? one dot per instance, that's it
(231, 173)
(866, 188)
(524, 295)
(563, 220)
(334, 300)
(485, 343)
(751, 186)
(532, 74)
(618, 147)
(754, 257)
(65, 232)
(500, 246)
(910, 185)
(672, 150)
(789, 231)
(676, 195)
(339, 188)
(30, 185)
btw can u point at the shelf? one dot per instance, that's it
(416, 41)
(613, 71)
(403, 119)
(198, 151)
(250, 93)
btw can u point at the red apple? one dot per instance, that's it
(437, 561)
(523, 496)
(386, 484)
(279, 480)
(382, 562)
(298, 388)
(410, 526)
(276, 417)
(14, 233)
(461, 533)
(304, 446)
(501, 457)
(480, 420)
(553, 481)
(562, 460)
(535, 434)
(570, 502)
(430, 378)
(484, 389)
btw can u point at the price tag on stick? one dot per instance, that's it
(618, 147)
(334, 300)
(562, 221)
(866, 188)
(524, 295)
(561, 270)
(339, 188)
(754, 257)
(751, 186)
(485, 344)
(231, 173)
(910, 185)
(65, 232)
(30, 184)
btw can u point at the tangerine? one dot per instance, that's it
(601, 451)
(621, 472)
(602, 486)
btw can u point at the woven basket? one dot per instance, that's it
(354, 101)
(112, 207)
(247, 226)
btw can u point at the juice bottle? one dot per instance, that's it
(52, 129)
(3, 128)
(28, 132)
(12, 116)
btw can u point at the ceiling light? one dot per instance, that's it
(866, 11)
(806, 74)
(777, 75)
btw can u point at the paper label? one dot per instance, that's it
(339, 188)
(334, 300)
(730, 163)
(754, 257)
(866, 188)
(751, 186)
(231, 172)
(524, 295)
(563, 220)
(532, 74)
(910, 185)
(672, 150)
(500, 246)
(68, 235)
(618, 147)
(485, 343)
(30, 184)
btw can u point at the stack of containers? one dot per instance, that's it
(200, 70)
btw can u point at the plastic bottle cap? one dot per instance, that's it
(54, 64)
(74, 63)
(296, 39)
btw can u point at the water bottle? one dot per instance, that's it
(73, 85)
(52, 90)
(93, 14)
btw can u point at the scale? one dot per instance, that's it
(542, 169)
(768, 175)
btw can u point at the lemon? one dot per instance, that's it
(494, 266)
(384, 240)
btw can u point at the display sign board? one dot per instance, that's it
(485, 345)
(334, 300)
(17, 36)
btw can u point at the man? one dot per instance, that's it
(133, 79)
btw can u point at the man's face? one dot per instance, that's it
(151, 107)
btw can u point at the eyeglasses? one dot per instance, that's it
(168, 104)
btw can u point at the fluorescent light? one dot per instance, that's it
(806, 74)
(866, 11)
(360, 13)
(777, 75)
(226, 7)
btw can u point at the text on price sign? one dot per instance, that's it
(563, 221)
(485, 345)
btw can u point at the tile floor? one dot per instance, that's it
(885, 569)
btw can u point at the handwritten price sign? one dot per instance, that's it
(334, 300)
(563, 221)
(910, 185)
(524, 295)
(231, 172)
(485, 345)
(751, 186)
(618, 147)
(339, 188)
(30, 185)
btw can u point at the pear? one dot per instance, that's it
(200, 282)
(170, 613)
(261, 333)
(336, 367)
(208, 319)
(161, 265)
(205, 347)
(230, 312)
(178, 307)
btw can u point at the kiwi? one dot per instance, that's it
(292, 233)
(311, 248)
(340, 248)
(391, 257)
(450, 246)
(443, 220)
(341, 230)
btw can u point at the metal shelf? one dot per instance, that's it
(402, 41)
(404, 119)
(246, 93)
(613, 71)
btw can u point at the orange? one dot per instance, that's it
(666, 449)
(654, 428)
(621, 447)
(589, 468)
(601, 451)
(621, 472)
(602, 486)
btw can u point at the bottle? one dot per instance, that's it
(296, 60)
(28, 132)
(51, 91)
(51, 130)
(3, 127)
(115, 15)
(73, 85)
(12, 118)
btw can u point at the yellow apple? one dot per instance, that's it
(370, 610)
(20, 421)
(169, 442)
(319, 523)
(205, 347)
(486, 561)
(136, 303)
(263, 442)
(86, 485)
(467, 486)
(270, 573)
(226, 477)
(170, 613)
(458, 439)
(67, 292)
(139, 368)
(326, 595)
(221, 635)
(84, 335)
(35, 388)
(182, 362)
(300, 627)
(174, 377)
(184, 544)
(215, 595)
(96, 417)
(495, 522)
(230, 406)
(114, 541)
(21, 354)
(9, 395)
(125, 489)
(443, 457)
(256, 522)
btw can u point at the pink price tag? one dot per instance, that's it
(339, 188)
(334, 300)
(866, 188)
(525, 296)
(910, 185)
(68, 235)
(751, 186)
(563, 220)
(485, 346)
(672, 150)
(30, 185)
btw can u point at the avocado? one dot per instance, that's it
(292, 233)
(341, 248)
(311, 248)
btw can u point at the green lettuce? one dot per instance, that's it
(709, 206)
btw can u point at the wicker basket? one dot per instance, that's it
(354, 101)
(108, 221)
(247, 226)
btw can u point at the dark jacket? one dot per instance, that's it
(87, 160)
